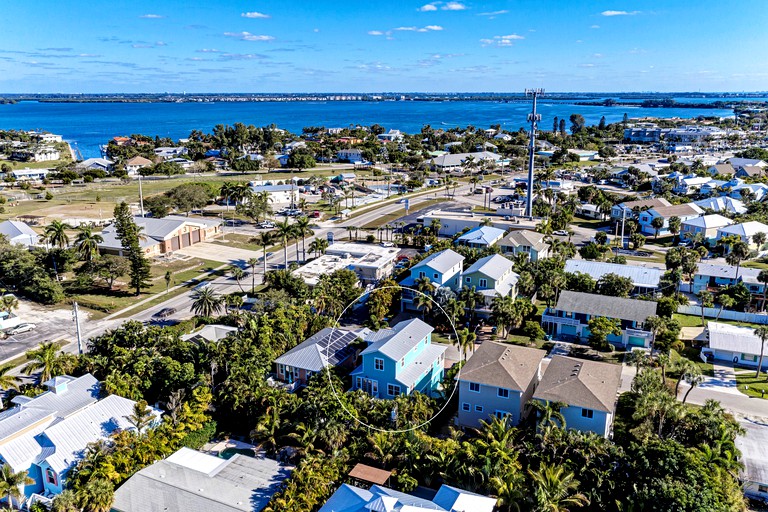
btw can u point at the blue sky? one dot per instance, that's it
(328, 46)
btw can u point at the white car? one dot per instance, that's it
(387, 244)
(21, 328)
(560, 232)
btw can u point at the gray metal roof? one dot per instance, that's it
(411, 374)
(727, 272)
(580, 383)
(328, 347)
(493, 266)
(404, 337)
(732, 338)
(486, 235)
(504, 366)
(602, 305)
(211, 332)
(241, 483)
(646, 277)
(14, 228)
(441, 261)
(754, 451)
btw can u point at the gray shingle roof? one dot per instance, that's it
(404, 337)
(241, 483)
(640, 276)
(524, 237)
(441, 261)
(580, 382)
(493, 266)
(505, 366)
(602, 305)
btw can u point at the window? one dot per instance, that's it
(478, 408)
(402, 363)
(502, 414)
(422, 274)
(465, 407)
(393, 389)
(468, 279)
(378, 364)
(587, 413)
(483, 283)
(50, 476)
(474, 386)
(762, 489)
(749, 357)
(503, 393)
(435, 275)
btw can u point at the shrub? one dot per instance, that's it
(198, 438)
(48, 196)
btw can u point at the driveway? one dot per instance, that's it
(724, 380)
(560, 348)
(222, 253)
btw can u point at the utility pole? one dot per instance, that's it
(533, 118)
(141, 197)
(76, 319)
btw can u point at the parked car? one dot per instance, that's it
(21, 328)
(560, 232)
(266, 225)
(165, 313)
(387, 244)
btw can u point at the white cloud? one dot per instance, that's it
(316, 30)
(428, 28)
(255, 14)
(209, 50)
(595, 26)
(619, 13)
(454, 6)
(586, 65)
(247, 36)
(375, 33)
(151, 16)
(597, 55)
(428, 7)
(501, 41)
(494, 13)
(161, 43)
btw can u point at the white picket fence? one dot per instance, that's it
(727, 314)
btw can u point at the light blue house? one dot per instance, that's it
(587, 388)
(47, 435)
(400, 360)
(714, 277)
(481, 237)
(569, 319)
(683, 211)
(441, 268)
(349, 498)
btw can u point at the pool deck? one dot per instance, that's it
(216, 448)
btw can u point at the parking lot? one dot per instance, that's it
(51, 324)
(216, 252)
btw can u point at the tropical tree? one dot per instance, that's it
(654, 324)
(706, 300)
(67, 501)
(548, 413)
(8, 381)
(56, 234)
(318, 246)
(762, 277)
(466, 341)
(759, 239)
(726, 302)
(739, 252)
(206, 302)
(674, 224)
(87, 243)
(9, 303)
(252, 262)
(11, 483)
(44, 359)
(556, 489)
(97, 495)
(141, 417)
(470, 297)
(762, 333)
(301, 227)
(693, 377)
(265, 239)
(423, 303)
(168, 279)
(238, 274)
(285, 232)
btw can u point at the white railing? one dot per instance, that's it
(638, 333)
(559, 320)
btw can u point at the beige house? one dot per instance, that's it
(161, 236)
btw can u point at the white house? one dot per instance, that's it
(349, 498)
(481, 237)
(350, 155)
(723, 204)
(19, 233)
(101, 164)
(746, 231)
(588, 388)
(737, 345)
(30, 174)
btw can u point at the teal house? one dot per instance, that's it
(400, 360)
(569, 319)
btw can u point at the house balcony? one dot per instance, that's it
(290, 387)
(638, 333)
(559, 320)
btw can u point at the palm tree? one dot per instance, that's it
(87, 243)
(97, 495)
(285, 232)
(726, 302)
(424, 285)
(227, 188)
(8, 381)
(8, 303)
(66, 502)
(55, 233)
(470, 297)
(762, 277)
(693, 377)
(762, 333)
(206, 302)
(252, 262)
(739, 252)
(424, 303)
(238, 274)
(11, 483)
(141, 417)
(265, 239)
(555, 489)
(301, 227)
(548, 413)
(466, 341)
(45, 359)
(318, 246)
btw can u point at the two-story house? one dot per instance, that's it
(683, 211)
(491, 276)
(745, 231)
(498, 380)
(706, 225)
(714, 277)
(722, 204)
(645, 279)
(400, 360)
(570, 317)
(441, 268)
(525, 241)
(629, 209)
(588, 388)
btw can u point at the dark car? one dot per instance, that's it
(165, 313)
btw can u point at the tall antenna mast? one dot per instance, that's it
(533, 118)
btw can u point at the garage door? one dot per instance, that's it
(196, 236)
(175, 244)
(185, 240)
(636, 341)
(568, 330)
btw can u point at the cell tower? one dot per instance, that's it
(533, 118)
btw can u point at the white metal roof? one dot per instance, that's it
(640, 276)
(441, 261)
(403, 337)
(732, 338)
(494, 266)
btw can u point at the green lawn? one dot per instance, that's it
(35, 165)
(751, 386)
(695, 321)
(589, 223)
(692, 354)
(100, 301)
(760, 264)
